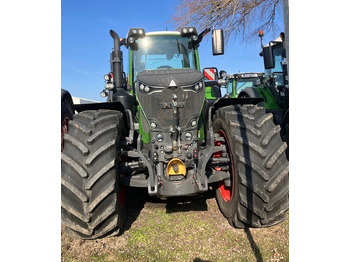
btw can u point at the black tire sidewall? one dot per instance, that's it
(66, 109)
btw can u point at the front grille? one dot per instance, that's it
(157, 105)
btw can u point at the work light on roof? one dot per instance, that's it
(189, 31)
(131, 40)
(133, 35)
(136, 32)
(194, 38)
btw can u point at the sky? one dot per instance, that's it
(86, 43)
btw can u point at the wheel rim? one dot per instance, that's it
(64, 130)
(226, 191)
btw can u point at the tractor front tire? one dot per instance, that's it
(258, 192)
(92, 202)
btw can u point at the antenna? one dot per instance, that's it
(261, 34)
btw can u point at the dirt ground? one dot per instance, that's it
(187, 229)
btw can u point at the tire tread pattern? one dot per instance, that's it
(89, 179)
(261, 166)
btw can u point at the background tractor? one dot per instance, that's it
(243, 81)
(165, 129)
(275, 90)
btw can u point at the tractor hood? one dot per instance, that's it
(170, 77)
(160, 92)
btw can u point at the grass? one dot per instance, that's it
(192, 230)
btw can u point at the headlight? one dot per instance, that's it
(103, 93)
(153, 125)
(159, 137)
(149, 89)
(109, 86)
(188, 136)
(196, 87)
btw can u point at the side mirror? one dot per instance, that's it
(218, 42)
(210, 73)
(269, 61)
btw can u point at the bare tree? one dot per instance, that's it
(244, 17)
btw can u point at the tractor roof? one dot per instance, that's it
(163, 33)
(248, 75)
(274, 42)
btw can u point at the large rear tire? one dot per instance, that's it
(258, 192)
(91, 200)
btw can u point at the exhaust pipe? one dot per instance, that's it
(116, 61)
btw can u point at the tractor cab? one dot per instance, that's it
(276, 76)
(238, 82)
(276, 82)
(162, 50)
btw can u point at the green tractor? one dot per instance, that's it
(243, 81)
(275, 90)
(165, 129)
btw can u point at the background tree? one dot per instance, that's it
(243, 17)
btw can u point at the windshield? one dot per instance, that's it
(277, 53)
(244, 83)
(276, 73)
(163, 52)
(230, 86)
